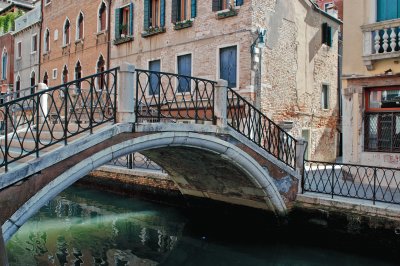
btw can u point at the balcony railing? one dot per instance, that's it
(381, 41)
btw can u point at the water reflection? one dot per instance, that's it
(76, 229)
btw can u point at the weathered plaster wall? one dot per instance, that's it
(294, 68)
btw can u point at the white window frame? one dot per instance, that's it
(63, 32)
(32, 37)
(54, 73)
(19, 51)
(219, 47)
(44, 43)
(98, 17)
(327, 96)
(77, 26)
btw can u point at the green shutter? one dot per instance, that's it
(174, 11)
(117, 21)
(216, 5)
(329, 36)
(193, 10)
(146, 21)
(131, 19)
(239, 2)
(162, 13)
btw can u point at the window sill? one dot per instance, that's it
(79, 41)
(99, 33)
(152, 31)
(226, 13)
(122, 40)
(183, 24)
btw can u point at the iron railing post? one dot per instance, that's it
(91, 105)
(65, 115)
(6, 139)
(37, 125)
(374, 192)
(130, 161)
(214, 119)
(137, 99)
(115, 95)
(332, 180)
(159, 97)
(196, 104)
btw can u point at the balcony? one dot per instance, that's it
(381, 41)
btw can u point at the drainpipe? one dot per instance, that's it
(109, 34)
(40, 38)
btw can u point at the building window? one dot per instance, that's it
(185, 69)
(46, 78)
(66, 32)
(228, 65)
(47, 2)
(34, 44)
(78, 70)
(4, 65)
(55, 73)
(325, 96)
(183, 10)
(124, 21)
(327, 34)
(100, 69)
(387, 9)
(154, 14)
(65, 75)
(19, 50)
(18, 87)
(47, 41)
(218, 5)
(79, 27)
(33, 82)
(154, 89)
(382, 119)
(102, 18)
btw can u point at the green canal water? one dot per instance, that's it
(88, 227)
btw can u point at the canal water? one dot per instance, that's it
(88, 227)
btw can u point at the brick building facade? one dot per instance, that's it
(293, 80)
(74, 39)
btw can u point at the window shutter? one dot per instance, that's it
(239, 2)
(162, 13)
(174, 11)
(131, 19)
(193, 10)
(324, 32)
(216, 5)
(146, 10)
(117, 26)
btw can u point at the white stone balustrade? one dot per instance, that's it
(381, 41)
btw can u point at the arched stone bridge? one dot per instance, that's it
(230, 153)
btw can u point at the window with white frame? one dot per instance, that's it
(19, 50)
(102, 17)
(66, 32)
(325, 96)
(54, 73)
(47, 41)
(79, 27)
(34, 43)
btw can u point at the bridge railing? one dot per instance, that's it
(351, 180)
(170, 97)
(136, 161)
(37, 121)
(257, 127)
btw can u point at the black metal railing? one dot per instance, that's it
(169, 97)
(353, 181)
(250, 122)
(136, 161)
(34, 122)
(382, 132)
(16, 94)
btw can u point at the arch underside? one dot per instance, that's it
(201, 165)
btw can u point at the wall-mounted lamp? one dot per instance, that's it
(260, 41)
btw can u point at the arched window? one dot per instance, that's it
(4, 59)
(100, 68)
(102, 17)
(18, 86)
(65, 75)
(46, 78)
(33, 82)
(79, 27)
(66, 31)
(78, 70)
(47, 41)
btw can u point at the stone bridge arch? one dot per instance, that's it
(247, 179)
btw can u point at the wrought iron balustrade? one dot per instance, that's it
(36, 121)
(136, 161)
(257, 127)
(382, 132)
(170, 97)
(353, 181)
